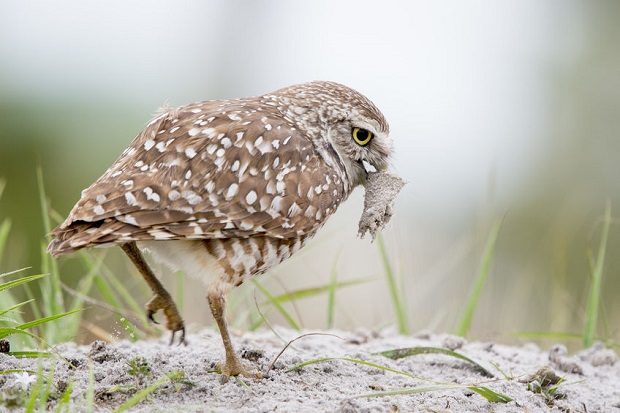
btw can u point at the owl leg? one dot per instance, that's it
(233, 365)
(161, 298)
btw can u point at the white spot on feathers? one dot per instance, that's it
(149, 144)
(232, 191)
(130, 219)
(159, 234)
(195, 199)
(193, 131)
(276, 204)
(174, 195)
(190, 153)
(245, 225)
(130, 199)
(251, 197)
(294, 210)
(280, 187)
(99, 210)
(150, 195)
(211, 149)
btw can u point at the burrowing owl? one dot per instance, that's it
(225, 190)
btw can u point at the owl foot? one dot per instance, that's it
(174, 322)
(234, 367)
(161, 298)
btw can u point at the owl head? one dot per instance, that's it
(343, 123)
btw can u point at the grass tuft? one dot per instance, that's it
(414, 351)
(594, 298)
(397, 299)
(485, 392)
(480, 281)
(277, 305)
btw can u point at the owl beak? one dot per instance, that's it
(368, 167)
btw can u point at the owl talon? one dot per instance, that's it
(181, 338)
(174, 322)
(149, 315)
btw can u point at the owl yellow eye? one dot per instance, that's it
(361, 136)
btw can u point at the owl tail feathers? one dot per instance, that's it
(81, 234)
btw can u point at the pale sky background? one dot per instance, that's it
(464, 84)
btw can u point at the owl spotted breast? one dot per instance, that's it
(225, 190)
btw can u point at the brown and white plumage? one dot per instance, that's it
(227, 189)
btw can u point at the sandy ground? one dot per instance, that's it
(591, 378)
(589, 381)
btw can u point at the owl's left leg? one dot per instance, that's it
(216, 295)
(161, 298)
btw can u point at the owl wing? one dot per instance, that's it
(207, 170)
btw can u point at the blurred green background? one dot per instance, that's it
(497, 110)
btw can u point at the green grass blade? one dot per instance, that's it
(331, 295)
(19, 281)
(356, 361)
(142, 395)
(110, 288)
(480, 281)
(594, 298)
(46, 387)
(490, 395)
(8, 302)
(7, 331)
(397, 300)
(14, 307)
(72, 326)
(29, 354)
(51, 291)
(35, 390)
(414, 351)
(5, 228)
(414, 390)
(485, 392)
(65, 399)
(277, 305)
(314, 291)
(44, 320)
